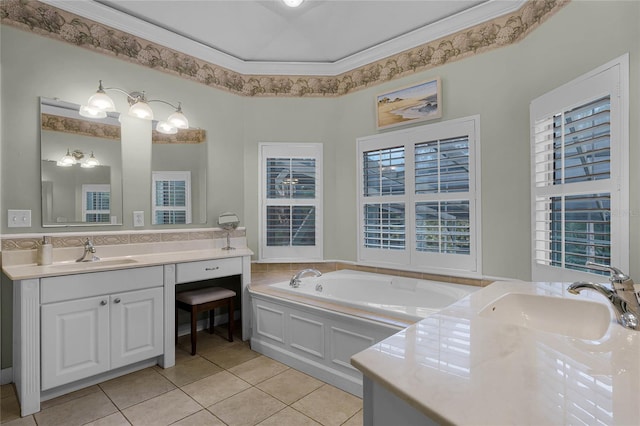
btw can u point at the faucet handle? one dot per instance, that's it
(617, 276)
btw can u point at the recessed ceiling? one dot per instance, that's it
(321, 36)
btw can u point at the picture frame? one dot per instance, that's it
(409, 104)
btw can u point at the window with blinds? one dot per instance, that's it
(418, 199)
(578, 166)
(291, 201)
(96, 203)
(171, 197)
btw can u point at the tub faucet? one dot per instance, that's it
(295, 280)
(88, 248)
(621, 295)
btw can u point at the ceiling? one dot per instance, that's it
(265, 36)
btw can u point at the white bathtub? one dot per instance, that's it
(320, 340)
(406, 298)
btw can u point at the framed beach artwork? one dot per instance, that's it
(418, 102)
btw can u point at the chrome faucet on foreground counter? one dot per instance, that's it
(295, 280)
(88, 248)
(622, 295)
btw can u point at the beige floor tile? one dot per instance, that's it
(79, 411)
(23, 421)
(258, 369)
(115, 419)
(329, 405)
(9, 408)
(215, 388)
(162, 410)
(356, 420)
(230, 356)
(289, 417)
(189, 371)
(204, 340)
(201, 418)
(290, 385)
(235, 410)
(69, 397)
(6, 391)
(136, 387)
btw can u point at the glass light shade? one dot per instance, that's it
(67, 160)
(141, 110)
(101, 101)
(90, 162)
(178, 120)
(166, 128)
(92, 112)
(292, 3)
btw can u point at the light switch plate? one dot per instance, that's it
(19, 218)
(138, 218)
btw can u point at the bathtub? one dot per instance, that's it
(317, 327)
(406, 298)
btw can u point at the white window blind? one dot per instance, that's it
(96, 203)
(291, 201)
(171, 197)
(579, 177)
(418, 197)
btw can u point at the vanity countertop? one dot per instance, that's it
(22, 271)
(460, 367)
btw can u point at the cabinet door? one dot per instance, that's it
(136, 326)
(75, 340)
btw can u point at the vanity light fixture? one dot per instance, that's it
(100, 103)
(90, 162)
(67, 160)
(292, 3)
(73, 157)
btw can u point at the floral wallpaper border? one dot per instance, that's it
(184, 136)
(52, 22)
(57, 123)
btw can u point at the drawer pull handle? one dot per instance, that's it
(117, 300)
(215, 268)
(103, 302)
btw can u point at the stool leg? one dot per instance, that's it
(194, 329)
(212, 316)
(230, 308)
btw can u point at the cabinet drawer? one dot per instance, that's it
(77, 286)
(206, 269)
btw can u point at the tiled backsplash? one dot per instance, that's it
(77, 239)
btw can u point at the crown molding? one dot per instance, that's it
(121, 21)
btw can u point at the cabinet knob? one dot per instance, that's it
(117, 300)
(215, 268)
(103, 302)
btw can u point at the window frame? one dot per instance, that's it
(157, 176)
(410, 258)
(95, 187)
(610, 79)
(290, 253)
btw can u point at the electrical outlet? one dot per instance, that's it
(138, 218)
(19, 218)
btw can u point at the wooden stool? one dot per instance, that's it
(205, 299)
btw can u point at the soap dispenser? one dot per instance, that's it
(45, 252)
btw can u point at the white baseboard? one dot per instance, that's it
(6, 376)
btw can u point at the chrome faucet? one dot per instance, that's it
(295, 280)
(622, 295)
(88, 248)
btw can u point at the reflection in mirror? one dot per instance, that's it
(178, 177)
(229, 222)
(81, 167)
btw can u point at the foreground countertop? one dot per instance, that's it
(457, 367)
(32, 270)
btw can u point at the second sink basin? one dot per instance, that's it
(574, 318)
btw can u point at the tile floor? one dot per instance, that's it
(223, 384)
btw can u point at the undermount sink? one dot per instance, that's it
(93, 264)
(574, 318)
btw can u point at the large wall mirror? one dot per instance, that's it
(81, 167)
(179, 178)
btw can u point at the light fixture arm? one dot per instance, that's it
(177, 108)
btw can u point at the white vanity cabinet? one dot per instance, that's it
(111, 328)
